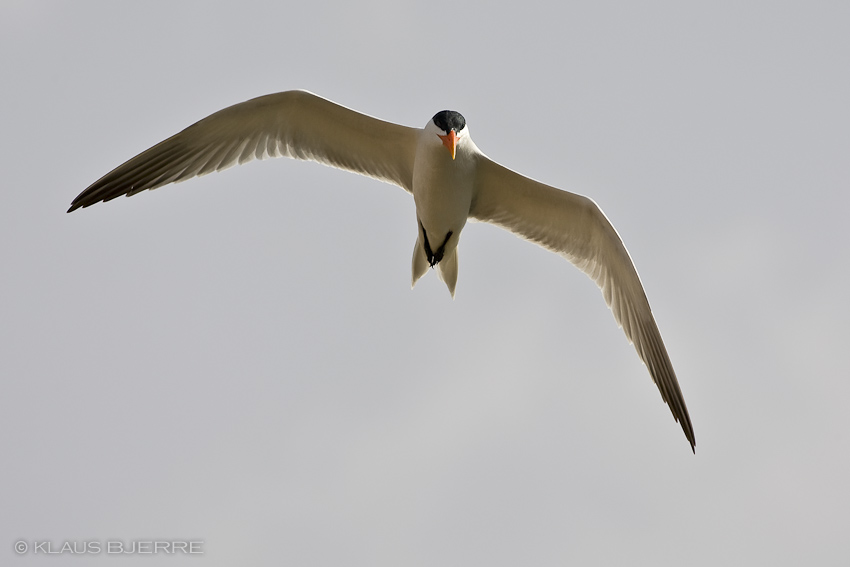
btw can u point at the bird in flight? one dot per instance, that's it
(450, 179)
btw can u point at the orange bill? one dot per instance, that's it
(450, 141)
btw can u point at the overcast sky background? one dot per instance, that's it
(239, 358)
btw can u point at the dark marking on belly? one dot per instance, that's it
(433, 257)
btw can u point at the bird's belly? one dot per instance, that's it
(442, 203)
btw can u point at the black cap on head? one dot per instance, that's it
(447, 120)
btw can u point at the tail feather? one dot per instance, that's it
(420, 262)
(447, 270)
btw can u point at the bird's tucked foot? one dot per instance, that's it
(434, 257)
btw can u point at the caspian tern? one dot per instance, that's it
(451, 181)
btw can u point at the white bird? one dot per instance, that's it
(451, 181)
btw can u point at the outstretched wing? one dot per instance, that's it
(295, 124)
(574, 227)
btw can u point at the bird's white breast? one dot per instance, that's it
(442, 187)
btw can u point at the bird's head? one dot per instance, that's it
(450, 127)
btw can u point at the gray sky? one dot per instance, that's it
(239, 359)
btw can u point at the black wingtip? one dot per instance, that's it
(80, 203)
(692, 440)
(76, 205)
